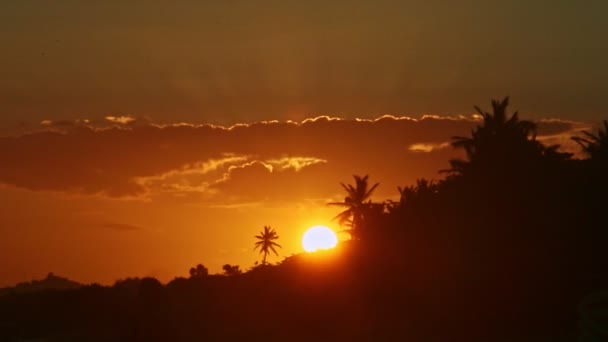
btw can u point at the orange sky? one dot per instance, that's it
(109, 199)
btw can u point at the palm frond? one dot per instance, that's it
(273, 249)
(370, 191)
(591, 136)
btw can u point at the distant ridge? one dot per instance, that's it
(51, 282)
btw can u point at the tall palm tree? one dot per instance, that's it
(595, 145)
(498, 138)
(266, 242)
(357, 202)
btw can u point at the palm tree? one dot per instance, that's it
(595, 145)
(498, 138)
(266, 242)
(357, 202)
(422, 191)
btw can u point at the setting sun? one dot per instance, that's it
(319, 237)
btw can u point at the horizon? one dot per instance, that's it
(149, 208)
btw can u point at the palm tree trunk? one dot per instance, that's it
(264, 259)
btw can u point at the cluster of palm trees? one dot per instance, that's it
(499, 143)
(494, 138)
(510, 140)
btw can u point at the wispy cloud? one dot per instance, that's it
(124, 158)
(193, 177)
(296, 163)
(120, 119)
(428, 147)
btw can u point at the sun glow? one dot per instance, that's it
(319, 237)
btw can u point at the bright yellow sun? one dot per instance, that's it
(319, 237)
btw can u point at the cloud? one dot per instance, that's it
(124, 158)
(296, 163)
(563, 138)
(260, 181)
(428, 147)
(64, 123)
(124, 120)
(194, 177)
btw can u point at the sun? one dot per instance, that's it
(319, 237)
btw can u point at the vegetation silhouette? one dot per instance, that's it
(510, 245)
(51, 282)
(498, 143)
(266, 242)
(199, 271)
(231, 270)
(595, 145)
(358, 205)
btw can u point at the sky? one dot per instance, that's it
(141, 138)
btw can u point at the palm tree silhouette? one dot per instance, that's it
(357, 202)
(497, 138)
(595, 145)
(266, 242)
(423, 190)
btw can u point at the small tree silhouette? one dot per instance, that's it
(414, 196)
(266, 242)
(231, 270)
(199, 271)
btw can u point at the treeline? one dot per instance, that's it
(517, 228)
(510, 245)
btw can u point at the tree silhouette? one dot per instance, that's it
(357, 202)
(199, 271)
(266, 242)
(423, 190)
(231, 270)
(595, 145)
(498, 139)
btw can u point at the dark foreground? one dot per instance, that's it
(335, 296)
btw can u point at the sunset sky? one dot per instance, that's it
(139, 138)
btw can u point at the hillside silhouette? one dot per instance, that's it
(509, 246)
(51, 282)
